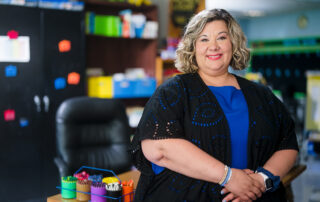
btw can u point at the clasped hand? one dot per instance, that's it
(244, 185)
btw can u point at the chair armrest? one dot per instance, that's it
(62, 166)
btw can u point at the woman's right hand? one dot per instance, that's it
(243, 186)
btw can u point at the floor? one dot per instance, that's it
(306, 187)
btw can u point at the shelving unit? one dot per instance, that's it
(161, 66)
(115, 54)
(283, 62)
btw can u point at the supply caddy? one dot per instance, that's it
(85, 187)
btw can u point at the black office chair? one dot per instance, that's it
(92, 132)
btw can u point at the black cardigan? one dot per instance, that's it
(184, 107)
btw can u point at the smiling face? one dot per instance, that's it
(213, 49)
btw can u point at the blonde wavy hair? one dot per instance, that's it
(186, 60)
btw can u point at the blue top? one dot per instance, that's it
(235, 108)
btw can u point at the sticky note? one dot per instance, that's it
(73, 78)
(64, 46)
(60, 83)
(9, 115)
(24, 122)
(12, 34)
(11, 71)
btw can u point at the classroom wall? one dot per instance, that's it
(163, 12)
(270, 27)
(281, 26)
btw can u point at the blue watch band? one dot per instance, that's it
(275, 179)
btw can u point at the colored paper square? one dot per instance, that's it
(24, 122)
(60, 83)
(12, 34)
(9, 115)
(73, 78)
(64, 46)
(11, 71)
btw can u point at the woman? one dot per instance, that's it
(203, 134)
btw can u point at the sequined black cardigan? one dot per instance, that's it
(184, 107)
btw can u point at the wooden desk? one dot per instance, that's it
(293, 173)
(135, 174)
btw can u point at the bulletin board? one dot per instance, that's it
(313, 101)
(180, 11)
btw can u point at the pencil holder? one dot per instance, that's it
(68, 185)
(114, 194)
(83, 186)
(127, 192)
(97, 191)
(93, 186)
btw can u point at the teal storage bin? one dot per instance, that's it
(123, 88)
(134, 88)
(145, 87)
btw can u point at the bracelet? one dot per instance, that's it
(224, 175)
(228, 177)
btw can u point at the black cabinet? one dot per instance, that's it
(27, 145)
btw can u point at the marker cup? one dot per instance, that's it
(83, 186)
(115, 194)
(68, 183)
(98, 188)
(127, 192)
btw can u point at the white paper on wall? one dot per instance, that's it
(14, 50)
(315, 100)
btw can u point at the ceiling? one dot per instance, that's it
(256, 8)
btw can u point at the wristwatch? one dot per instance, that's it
(271, 181)
(268, 183)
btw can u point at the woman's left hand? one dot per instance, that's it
(232, 197)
